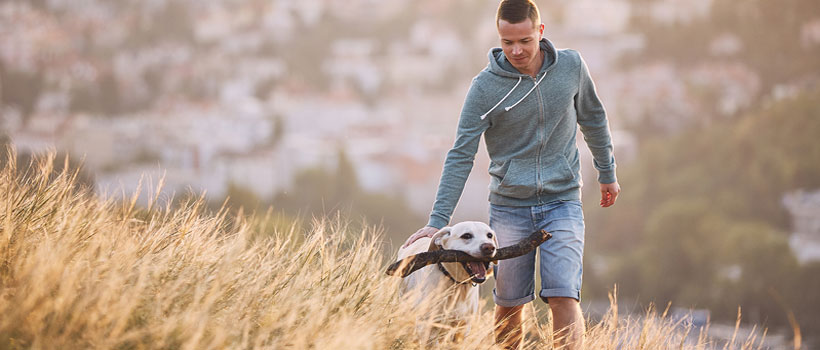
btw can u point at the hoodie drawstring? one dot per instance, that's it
(502, 99)
(508, 108)
(528, 93)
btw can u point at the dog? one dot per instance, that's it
(452, 285)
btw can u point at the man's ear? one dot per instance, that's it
(435, 242)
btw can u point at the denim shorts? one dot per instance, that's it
(561, 257)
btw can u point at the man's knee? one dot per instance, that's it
(561, 302)
(565, 311)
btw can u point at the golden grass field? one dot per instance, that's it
(81, 272)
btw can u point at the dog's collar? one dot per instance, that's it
(446, 273)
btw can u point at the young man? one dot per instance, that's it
(527, 103)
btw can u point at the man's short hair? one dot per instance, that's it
(516, 11)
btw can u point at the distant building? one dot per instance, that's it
(805, 209)
(678, 11)
(810, 33)
(597, 17)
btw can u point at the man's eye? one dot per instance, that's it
(467, 236)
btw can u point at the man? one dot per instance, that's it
(527, 103)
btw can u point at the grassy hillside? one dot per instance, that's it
(80, 272)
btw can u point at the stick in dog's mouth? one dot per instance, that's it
(410, 264)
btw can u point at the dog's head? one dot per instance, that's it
(472, 237)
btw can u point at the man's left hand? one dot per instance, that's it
(608, 193)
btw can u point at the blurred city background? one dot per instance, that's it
(317, 107)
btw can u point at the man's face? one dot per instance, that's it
(519, 41)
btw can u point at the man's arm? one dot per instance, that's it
(595, 127)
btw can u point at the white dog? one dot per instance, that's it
(455, 285)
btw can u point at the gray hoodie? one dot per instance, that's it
(529, 127)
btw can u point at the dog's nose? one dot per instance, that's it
(487, 249)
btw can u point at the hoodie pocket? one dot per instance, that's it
(515, 179)
(556, 174)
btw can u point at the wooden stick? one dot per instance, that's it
(410, 264)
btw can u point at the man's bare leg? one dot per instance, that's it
(509, 328)
(568, 326)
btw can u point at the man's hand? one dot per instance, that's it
(608, 193)
(426, 231)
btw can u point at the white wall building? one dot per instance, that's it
(805, 209)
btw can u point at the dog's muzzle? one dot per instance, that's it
(477, 270)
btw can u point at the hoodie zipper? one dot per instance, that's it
(541, 125)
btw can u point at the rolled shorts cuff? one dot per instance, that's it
(512, 302)
(560, 293)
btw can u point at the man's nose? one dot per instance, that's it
(487, 249)
(516, 50)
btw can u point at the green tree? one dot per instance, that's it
(701, 220)
(242, 197)
(321, 192)
(346, 183)
(766, 266)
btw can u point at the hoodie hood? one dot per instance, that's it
(499, 65)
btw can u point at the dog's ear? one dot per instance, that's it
(495, 241)
(435, 242)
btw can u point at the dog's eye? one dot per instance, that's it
(467, 236)
(489, 235)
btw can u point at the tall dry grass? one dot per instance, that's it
(80, 272)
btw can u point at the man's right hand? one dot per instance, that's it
(426, 231)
